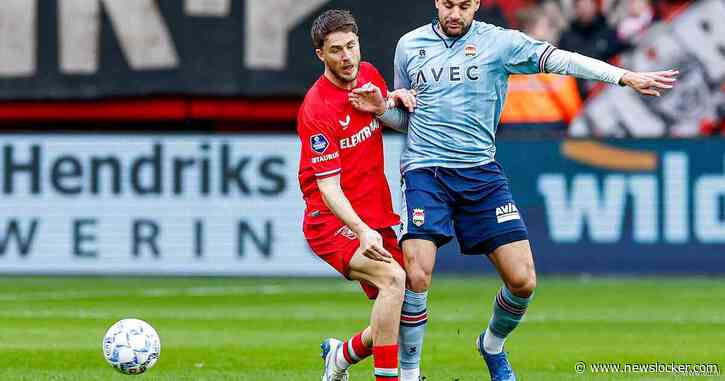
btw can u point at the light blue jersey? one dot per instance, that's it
(461, 85)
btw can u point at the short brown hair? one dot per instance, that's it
(334, 20)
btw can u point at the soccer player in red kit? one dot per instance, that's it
(349, 215)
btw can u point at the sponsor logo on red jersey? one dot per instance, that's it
(328, 157)
(364, 134)
(345, 123)
(319, 143)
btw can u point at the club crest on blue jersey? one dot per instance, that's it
(470, 50)
(319, 143)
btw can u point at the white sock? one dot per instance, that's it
(491, 343)
(409, 374)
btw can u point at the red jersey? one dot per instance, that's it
(339, 140)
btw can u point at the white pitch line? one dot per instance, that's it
(244, 314)
(181, 291)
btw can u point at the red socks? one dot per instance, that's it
(386, 362)
(354, 350)
(385, 357)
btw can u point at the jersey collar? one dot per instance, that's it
(447, 40)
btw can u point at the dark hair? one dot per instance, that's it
(334, 20)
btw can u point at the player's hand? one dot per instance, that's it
(368, 98)
(404, 98)
(650, 83)
(371, 244)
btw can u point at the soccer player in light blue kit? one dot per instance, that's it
(452, 184)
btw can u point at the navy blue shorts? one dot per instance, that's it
(475, 203)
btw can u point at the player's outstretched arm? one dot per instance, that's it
(650, 83)
(370, 99)
(371, 242)
(577, 65)
(403, 98)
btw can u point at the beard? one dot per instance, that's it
(460, 32)
(347, 78)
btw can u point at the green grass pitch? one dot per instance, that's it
(270, 329)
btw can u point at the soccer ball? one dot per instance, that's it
(131, 346)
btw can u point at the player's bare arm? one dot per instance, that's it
(403, 98)
(371, 242)
(369, 98)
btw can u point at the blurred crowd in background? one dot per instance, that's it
(602, 29)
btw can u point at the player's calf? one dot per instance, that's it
(419, 262)
(413, 320)
(386, 327)
(389, 279)
(514, 262)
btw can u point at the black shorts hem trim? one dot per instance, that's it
(490, 245)
(438, 239)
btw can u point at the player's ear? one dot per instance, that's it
(477, 4)
(320, 54)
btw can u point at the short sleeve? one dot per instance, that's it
(523, 54)
(320, 143)
(400, 63)
(378, 80)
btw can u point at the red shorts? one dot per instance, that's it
(339, 249)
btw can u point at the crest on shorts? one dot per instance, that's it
(418, 217)
(346, 232)
(319, 143)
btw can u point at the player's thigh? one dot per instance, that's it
(382, 275)
(420, 256)
(390, 242)
(515, 264)
(488, 219)
(425, 208)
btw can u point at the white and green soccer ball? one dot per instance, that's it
(131, 346)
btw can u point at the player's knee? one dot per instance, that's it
(419, 279)
(392, 281)
(523, 284)
(399, 277)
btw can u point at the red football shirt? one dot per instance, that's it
(339, 140)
